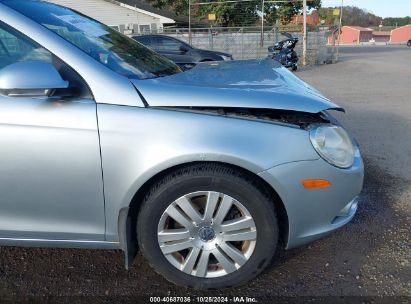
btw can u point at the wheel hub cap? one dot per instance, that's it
(206, 234)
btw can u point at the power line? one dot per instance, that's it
(239, 1)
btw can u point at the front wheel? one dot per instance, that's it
(208, 226)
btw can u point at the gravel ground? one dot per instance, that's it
(368, 257)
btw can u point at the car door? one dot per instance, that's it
(50, 167)
(172, 49)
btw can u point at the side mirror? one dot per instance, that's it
(184, 49)
(30, 78)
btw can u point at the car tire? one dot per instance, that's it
(249, 198)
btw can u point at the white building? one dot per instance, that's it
(122, 17)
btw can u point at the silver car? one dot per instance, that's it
(105, 144)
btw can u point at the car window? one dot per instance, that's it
(15, 47)
(114, 50)
(146, 40)
(169, 44)
(156, 43)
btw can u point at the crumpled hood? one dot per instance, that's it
(263, 84)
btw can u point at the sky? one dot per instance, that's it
(382, 8)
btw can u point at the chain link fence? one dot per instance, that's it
(248, 42)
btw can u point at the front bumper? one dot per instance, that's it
(313, 213)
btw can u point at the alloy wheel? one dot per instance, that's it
(207, 234)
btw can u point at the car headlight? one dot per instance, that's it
(334, 145)
(226, 58)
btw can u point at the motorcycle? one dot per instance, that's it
(283, 52)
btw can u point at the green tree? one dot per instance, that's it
(352, 15)
(238, 13)
(396, 21)
(284, 11)
(326, 14)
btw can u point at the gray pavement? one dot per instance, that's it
(373, 84)
(368, 257)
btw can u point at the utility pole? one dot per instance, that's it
(189, 22)
(304, 32)
(339, 31)
(262, 24)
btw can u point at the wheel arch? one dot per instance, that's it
(127, 220)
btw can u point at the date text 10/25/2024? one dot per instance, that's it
(199, 299)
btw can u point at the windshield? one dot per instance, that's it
(104, 44)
